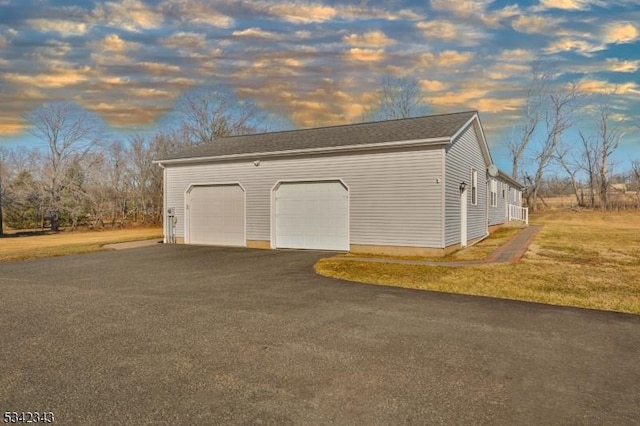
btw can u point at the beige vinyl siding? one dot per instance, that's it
(463, 155)
(395, 198)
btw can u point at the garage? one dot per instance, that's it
(312, 215)
(216, 215)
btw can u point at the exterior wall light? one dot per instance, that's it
(463, 186)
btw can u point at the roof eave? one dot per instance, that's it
(307, 151)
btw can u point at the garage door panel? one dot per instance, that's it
(312, 215)
(216, 215)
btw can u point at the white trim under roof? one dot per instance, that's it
(286, 153)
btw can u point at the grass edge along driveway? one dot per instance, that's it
(580, 259)
(51, 245)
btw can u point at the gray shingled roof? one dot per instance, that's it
(429, 127)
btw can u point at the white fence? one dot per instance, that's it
(519, 213)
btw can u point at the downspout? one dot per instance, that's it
(487, 200)
(164, 203)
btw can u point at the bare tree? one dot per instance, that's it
(399, 97)
(570, 166)
(609, 134)
(68, 133)
(209, 114)
(590, 153)
(558, 119)
(635, 179)
(533, 115)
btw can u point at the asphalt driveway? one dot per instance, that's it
(186, 335)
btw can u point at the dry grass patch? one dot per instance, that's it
(479, 251)
(35, 246)
(584, 259)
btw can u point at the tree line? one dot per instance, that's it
(567, 135)
(79, 175)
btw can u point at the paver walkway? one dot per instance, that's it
(511, 252)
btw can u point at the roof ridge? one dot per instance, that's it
(335, 126)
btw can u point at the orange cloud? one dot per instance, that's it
(446, 59)
(130, 15)
(432, 85)
(601, 86)
(296, 12)
(621, 32)
(113, 43)
(60, 26)
(565, 4)
(617, 65)
(365, 55)
(256, 33)
(159, 68)
(372, 38)
(185, 40)
(534, 24)
(9, 128)
(55, 79)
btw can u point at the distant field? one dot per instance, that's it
(34, 246)
(584, 259)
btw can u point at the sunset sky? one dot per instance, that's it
(313, 63)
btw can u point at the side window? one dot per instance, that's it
(474, 186)
(494, 192)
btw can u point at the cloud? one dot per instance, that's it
(565, 4)
(372, 38)
(621, 32)
(581, 47)
(113, 43)
(365, 55)
(433, 85)
(159, 68)
(464, 34)
(124, 113)
(10, 127)
(617, 65)
(535, 24)
(462, 8)
(196, 12)
(256, 32)
(62, 27)
(129, 15)
(185, 40)
(366, 12)
(3, 42)
(297, 12)
(603, 87)
(516, 55)
(52, 49)
(54, 79)
(446, 59)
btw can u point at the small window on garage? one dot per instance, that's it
(493, 192)
(474, 186)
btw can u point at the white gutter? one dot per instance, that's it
(287, 153)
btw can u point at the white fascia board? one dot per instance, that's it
(287, 153)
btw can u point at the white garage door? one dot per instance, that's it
(312, 215)
(216, 215)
